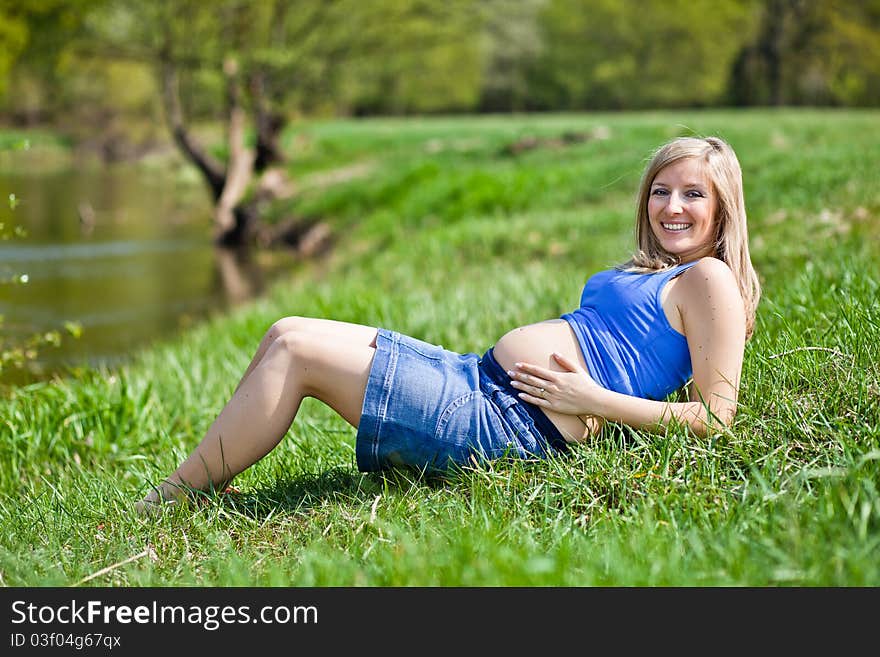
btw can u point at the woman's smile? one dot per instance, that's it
(675, 227)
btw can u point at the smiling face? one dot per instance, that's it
(681, 210)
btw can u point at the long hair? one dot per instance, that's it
(731, 232)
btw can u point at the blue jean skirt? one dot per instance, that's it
(428, 408)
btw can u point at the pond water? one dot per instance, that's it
(122, 251)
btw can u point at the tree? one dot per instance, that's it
(33, 34)
(13, 39)
(511, 44)
(807, 52)
(254, 47)
(272, 59)
(414, 56)
(615, 54)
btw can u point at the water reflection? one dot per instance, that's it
(125, 252)
(239, 275)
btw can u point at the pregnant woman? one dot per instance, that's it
(680, 310)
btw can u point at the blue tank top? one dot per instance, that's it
(627, 342)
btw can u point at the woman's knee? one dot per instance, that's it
(283, 326)
(296, 351)
(324, 328)
(291, 344)
(328, 368)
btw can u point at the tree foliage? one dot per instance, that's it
(805, 52)
(34, 36)
(633, 54)
(75, 57)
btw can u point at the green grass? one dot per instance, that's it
(447, 238)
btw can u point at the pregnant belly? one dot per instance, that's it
(535, 344)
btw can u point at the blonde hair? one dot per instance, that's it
(731, 232)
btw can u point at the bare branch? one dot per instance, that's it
(213, 171)
(241, 159)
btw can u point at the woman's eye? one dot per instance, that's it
(695, 194)
(659, 192)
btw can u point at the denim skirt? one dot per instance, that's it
(429, 408)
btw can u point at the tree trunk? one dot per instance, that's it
(212, 170)
(268, 124)
(235, 219)
(233, 227)
(771, 48)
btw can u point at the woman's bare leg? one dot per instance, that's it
(356, 333)
(297, 364)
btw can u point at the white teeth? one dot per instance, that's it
(676, 226)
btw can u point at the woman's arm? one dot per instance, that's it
(714, 322)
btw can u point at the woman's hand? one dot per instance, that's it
(568, 392)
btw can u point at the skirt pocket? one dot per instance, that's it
(473, 425)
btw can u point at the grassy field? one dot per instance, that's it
(447, 234)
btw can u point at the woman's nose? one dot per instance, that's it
(674, 205)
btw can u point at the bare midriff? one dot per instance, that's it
(536, 344)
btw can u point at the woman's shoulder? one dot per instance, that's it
(709, 270)
(710, 278)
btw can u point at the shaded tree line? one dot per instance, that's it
(427, 56)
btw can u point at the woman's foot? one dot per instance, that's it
(161, 497)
